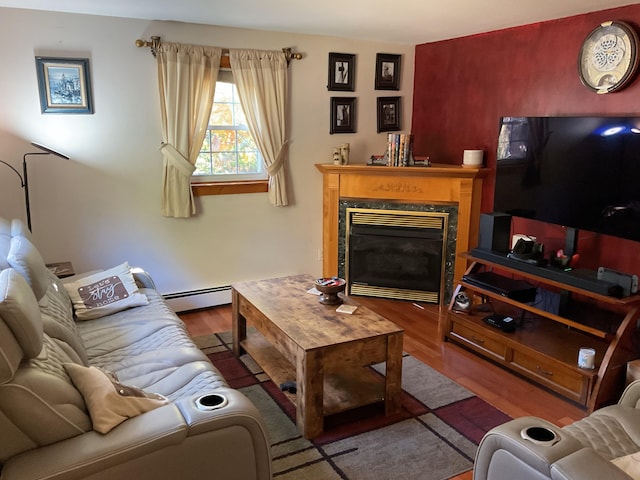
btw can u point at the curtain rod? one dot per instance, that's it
(155, 43)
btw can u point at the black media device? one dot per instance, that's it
(579, 172)
(504, 323)
(517, 290)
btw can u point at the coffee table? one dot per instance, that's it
(324, 351)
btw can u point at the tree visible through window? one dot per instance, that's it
(228, 151)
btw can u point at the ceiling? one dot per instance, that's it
(395, 21)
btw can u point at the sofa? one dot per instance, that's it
(603, 445)
(103, 390)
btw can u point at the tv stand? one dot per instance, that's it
(544, 347)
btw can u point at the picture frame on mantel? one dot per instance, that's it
(387, 71)
(343, 115)
(342, 69)
(388, 114)
(64, 85)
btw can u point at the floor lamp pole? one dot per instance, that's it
(24, 179)
(25, 185)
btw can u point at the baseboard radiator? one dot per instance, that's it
(196, 299)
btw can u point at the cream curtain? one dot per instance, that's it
(187, 80)
(261, 79)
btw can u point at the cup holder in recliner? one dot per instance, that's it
(211, 401)
(539, 435)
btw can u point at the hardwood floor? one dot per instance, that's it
(422, 339)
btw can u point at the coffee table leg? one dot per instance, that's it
(238, 323)
(393, 380)
(309, 398)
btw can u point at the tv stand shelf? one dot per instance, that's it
(544, 348)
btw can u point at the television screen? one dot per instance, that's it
(579, 172)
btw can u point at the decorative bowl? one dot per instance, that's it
(329, 289)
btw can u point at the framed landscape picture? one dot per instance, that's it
(343, 115)
(64, 85)
(388, 113)
(342, 67)
(387, 72)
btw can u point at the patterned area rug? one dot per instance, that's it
(433, 438)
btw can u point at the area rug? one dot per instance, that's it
(434, 437)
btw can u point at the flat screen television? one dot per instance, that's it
(578, 172)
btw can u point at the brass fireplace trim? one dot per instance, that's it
(399, 218)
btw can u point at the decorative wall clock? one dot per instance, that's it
(608, 58)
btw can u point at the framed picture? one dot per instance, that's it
(387, 71)
(343, 115)
(64, 85)
(388, 114)
(342, 69)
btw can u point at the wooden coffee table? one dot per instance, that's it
(324, 351)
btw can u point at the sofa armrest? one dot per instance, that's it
(142, 278)
(173, 441)
(504, 451)
(90, 452)
(631, 395)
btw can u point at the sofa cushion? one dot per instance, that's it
(109, 402)
(25, 258)
(20, 312)
(105, 293)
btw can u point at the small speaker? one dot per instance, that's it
(495, 232)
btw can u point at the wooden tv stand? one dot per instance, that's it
(544, 348)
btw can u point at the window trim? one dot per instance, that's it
(201, 189)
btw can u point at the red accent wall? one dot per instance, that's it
(463, 86)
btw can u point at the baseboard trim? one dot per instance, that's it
(198, 299)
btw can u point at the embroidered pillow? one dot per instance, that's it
(105, 292)
(109, 402)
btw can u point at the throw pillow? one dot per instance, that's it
(109, 402)
(630, 464)
(105, 292)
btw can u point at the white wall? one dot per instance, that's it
(103, 206)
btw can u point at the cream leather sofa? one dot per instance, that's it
(603, 445)
(46, 431)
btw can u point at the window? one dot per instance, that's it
(228, 152)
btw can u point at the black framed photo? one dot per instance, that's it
(388, 114)
(64, 85)
(387, 71)
(343, 115)
(342, 69)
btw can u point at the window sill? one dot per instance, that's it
(229, 188)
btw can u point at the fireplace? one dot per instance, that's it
(452, 189)
(395, 254)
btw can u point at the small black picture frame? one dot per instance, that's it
(343, 115)
(387, 71)
(388, 114)
(342, 69)
(64, 85)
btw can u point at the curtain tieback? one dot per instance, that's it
(176, 159)
(277, 164)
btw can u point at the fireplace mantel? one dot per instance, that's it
(438, 184)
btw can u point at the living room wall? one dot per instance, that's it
(464, 86)
(103, 206)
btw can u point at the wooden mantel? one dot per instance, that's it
(438, 184)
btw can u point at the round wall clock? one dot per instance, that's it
(608, 58)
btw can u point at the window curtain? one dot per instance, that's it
(261, 79)
(187, 80)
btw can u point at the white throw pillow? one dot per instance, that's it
(109, 402)
(105, 292)
(630, 464)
